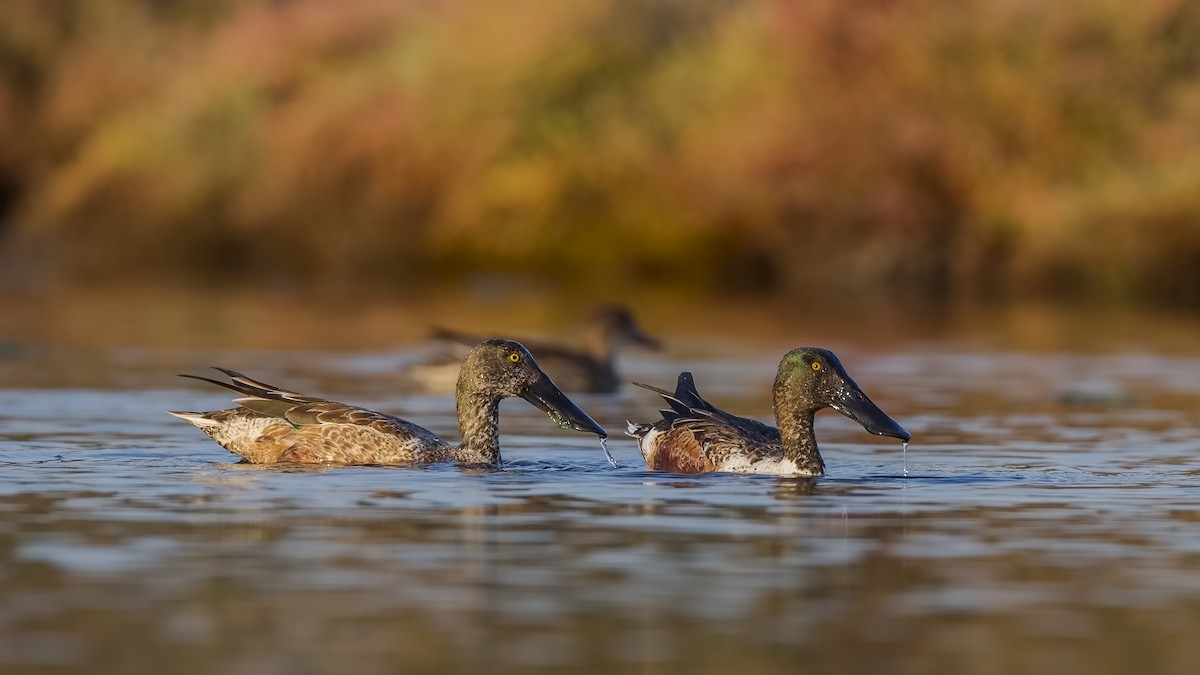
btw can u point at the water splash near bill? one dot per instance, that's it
(608, 455)
(903, 449)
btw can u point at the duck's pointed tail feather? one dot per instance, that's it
(197, 419)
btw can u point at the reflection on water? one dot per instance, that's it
(1047, 523)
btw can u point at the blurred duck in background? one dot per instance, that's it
(590, 369)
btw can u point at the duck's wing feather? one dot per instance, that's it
(251, 387)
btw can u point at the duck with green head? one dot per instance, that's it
(274, 425)
(694, 436)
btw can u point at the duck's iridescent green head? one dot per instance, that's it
(813, 378)
(503, 368)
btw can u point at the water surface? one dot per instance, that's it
(1048, 523)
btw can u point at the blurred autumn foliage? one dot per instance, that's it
(934, 148)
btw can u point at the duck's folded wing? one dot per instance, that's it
(720, 427)
(750, 429)
(331, 432)
(331, 413)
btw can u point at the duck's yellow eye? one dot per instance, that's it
(816, 366)
(514, 357)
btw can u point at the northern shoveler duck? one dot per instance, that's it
(273, 425)
(696, 437)
(591, 369)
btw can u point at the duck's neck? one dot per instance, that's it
(796, 430)
(479, 424)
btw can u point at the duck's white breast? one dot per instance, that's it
(773, 466)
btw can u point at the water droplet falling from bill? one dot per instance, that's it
(612, 462)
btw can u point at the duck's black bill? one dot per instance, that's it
(855, 405)
(548, 397)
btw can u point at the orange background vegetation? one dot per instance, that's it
(931, 149)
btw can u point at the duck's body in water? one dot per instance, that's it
(591, 369)
(694, 436)
(273, 425)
